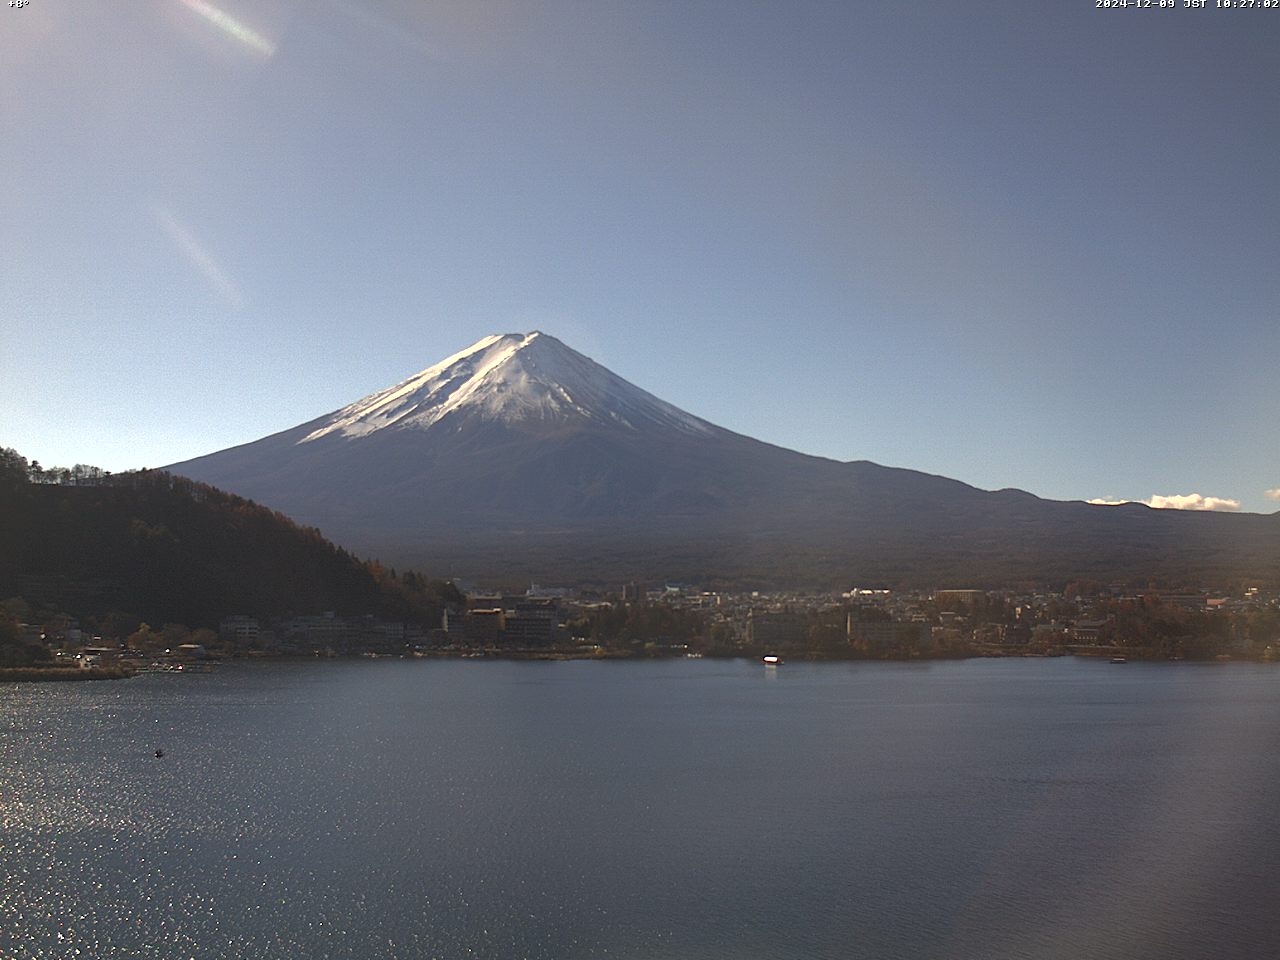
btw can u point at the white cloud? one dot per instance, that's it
(1182, 501)
(1273, 494)
(1191, 501)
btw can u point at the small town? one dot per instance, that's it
(672, 620)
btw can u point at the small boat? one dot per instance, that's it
(1119, 659)
(770, 660)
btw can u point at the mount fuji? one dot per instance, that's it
(519, 457)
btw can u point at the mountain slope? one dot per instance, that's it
(521, 457)
(168, 550)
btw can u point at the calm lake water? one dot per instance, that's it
(673, 809)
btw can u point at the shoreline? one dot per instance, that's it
(127, 671)
(62, 674)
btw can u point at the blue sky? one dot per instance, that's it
(1017, 244)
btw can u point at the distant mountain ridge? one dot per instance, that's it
(519, 457)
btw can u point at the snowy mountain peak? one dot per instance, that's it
(509, 378)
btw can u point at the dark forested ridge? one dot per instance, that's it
(166, 549)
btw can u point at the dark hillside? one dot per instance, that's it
(168, 549)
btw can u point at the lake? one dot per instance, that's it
(645, 810)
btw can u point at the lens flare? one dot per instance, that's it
(232, 27)
(198, 257)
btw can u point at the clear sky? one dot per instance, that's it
(1018, 244)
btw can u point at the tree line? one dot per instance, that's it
(14, 467)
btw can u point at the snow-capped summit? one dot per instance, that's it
(509, 378)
